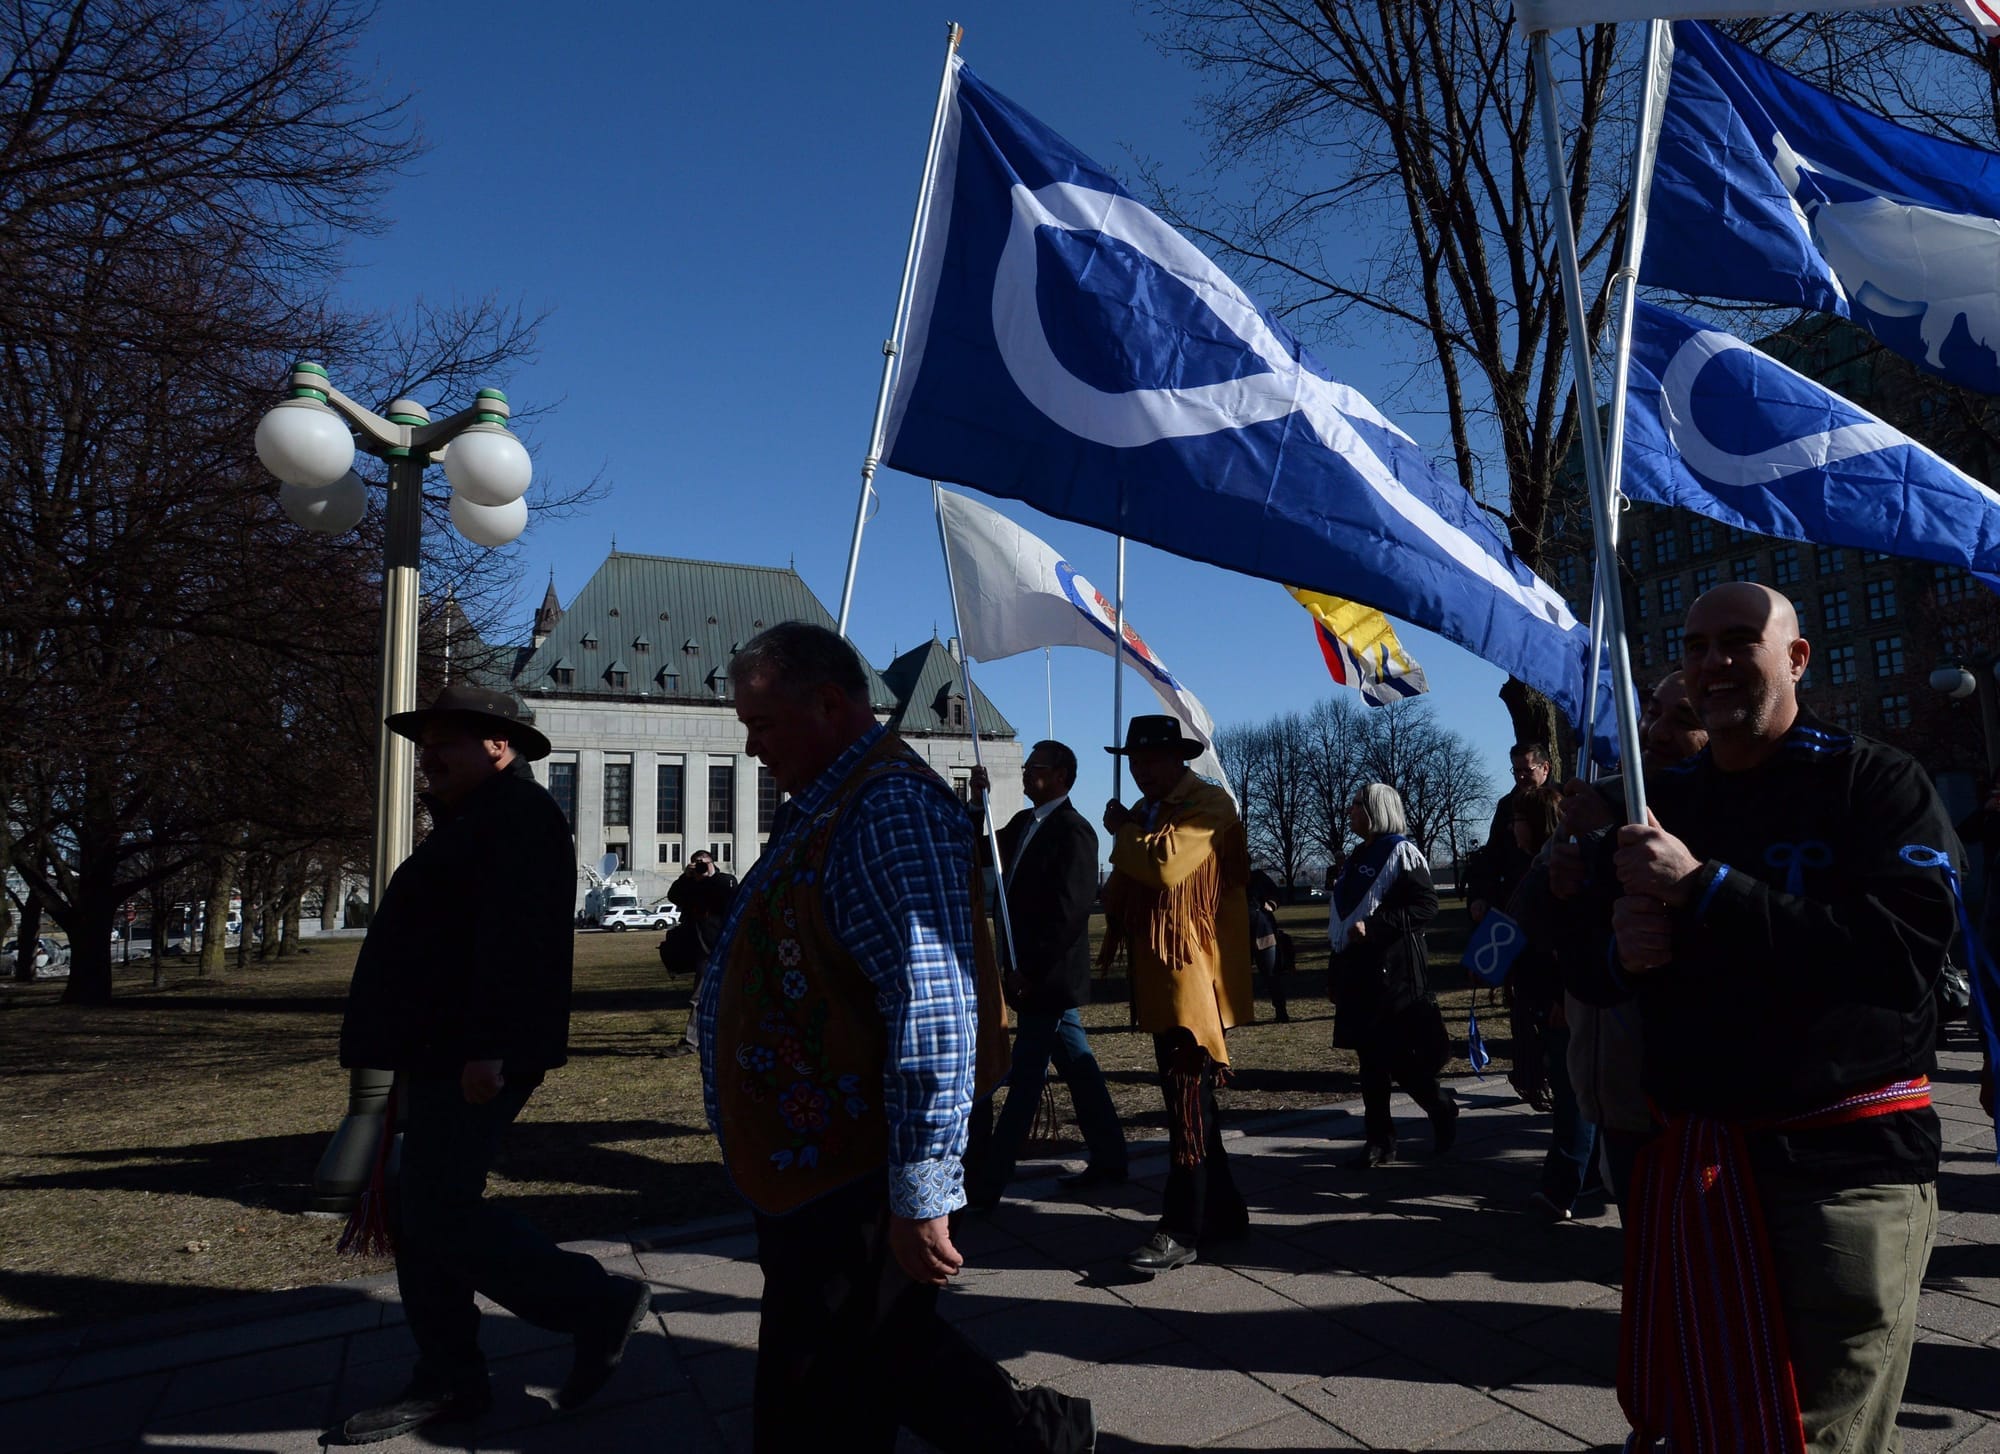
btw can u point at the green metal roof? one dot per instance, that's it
(691, 615)
(924, 680)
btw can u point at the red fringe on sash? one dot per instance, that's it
(1703, 1357)
(369, 1232)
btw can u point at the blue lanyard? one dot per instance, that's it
(1983, 973)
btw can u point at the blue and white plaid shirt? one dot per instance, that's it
(896, 888)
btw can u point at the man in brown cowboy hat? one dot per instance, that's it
(1176, 898)
(462, 989)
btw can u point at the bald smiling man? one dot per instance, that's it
(1782, 924)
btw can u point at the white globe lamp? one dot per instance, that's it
(303, 442)
(488, 525)
(1954, 681)
(334, 509)
(486, 464)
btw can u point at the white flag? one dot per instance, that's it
(1016, 594)
(1574, 14)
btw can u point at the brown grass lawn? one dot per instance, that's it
(192, 1117)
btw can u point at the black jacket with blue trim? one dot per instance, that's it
(1806, 967)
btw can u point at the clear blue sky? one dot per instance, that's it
(714, 202)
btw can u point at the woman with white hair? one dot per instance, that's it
(1383, 1009)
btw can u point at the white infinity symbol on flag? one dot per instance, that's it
(1769, 466)
(1486, 958)
(1130, 418)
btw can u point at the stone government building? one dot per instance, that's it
(630, 682)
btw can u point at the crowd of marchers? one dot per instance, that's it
(1729, 1010)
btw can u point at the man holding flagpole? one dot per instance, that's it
(1782, 922)
(1180, 866)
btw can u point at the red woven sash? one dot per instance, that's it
(1703, 1359)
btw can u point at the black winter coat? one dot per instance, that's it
(469, 955)
(1049, 896)
(1380, 976)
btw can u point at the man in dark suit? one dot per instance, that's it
(1048, 863)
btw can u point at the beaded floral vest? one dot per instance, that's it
(800, 1044)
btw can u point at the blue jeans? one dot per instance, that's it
(1043, 1037)
(1567, 1165)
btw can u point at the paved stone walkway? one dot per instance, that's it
(1420, 1307)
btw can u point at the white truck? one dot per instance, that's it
(606, 894)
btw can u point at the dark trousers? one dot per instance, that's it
(849, 1349)
(1201, 1195)
(1386, 1063)
(1566, 1167)
(451, 1242)
(1042, 1038)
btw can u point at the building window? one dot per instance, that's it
(1806, 679)
(1840, 665)
(956, 710)
(1888, 656)
(563, 676)
(767, 799)
(1636, 553)
(640, 645)
(1881, 600)
(1743, 568)
(1566, 572)
(589, 643)
(617, 794)
(667, 784)
(961, 783)
(1834, 611)
(1832, 559)
(721, 798)
(623, 851)
(1672, 637)
(1955, 639)
(723, 856)
(1646, 649)
(1949, 584)
(1671, 601)
(1704, 580)
(670, 852)
(1785, 565)
(1896, 709)
(1847, 716)
(1872, 557)
(1701, 537)
(617, 680)
(562, 787)
(1666, 547)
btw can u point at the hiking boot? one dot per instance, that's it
(598, 1349)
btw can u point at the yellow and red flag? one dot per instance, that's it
(1361, 648)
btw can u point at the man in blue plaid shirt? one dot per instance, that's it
(838, 1024)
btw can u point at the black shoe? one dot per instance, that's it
(599, 1349)
(412, 1410)
(1370, 1157)
(1160, 1253)
(1056, 1422)
(1091, 1176)
(1444, 1129)
(1282, 1016)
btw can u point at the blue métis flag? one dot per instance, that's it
(1068, 348)
(1771, 190)
(1718, 428)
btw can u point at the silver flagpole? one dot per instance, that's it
(892, 347)
(1584, 763)
(1593, 443)
(972, 717)
(1049, 686)
(1118, 678)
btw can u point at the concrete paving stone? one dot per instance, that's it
(1585, 1339)
(1984, 1439)
(1396, 1403)
(738, 1247)
(1336, 1291)
(502, 1335)
(709, 1282)
(704, 1329)
(1962, 1317)
(1295, 1430)
(1553, 1396)
(1174, 1397)
(979, 1291)
(1981, 1228)
(1445, 1341)
(164, 1353)
(723, 1380)
(1501, 1294)
(676, 1422)
(1038, 1344)
(73, 1419)
(208, 1385)
(27, 1378)
(281, 1423)
(1932, 1430)
(1511, 1431)
(1379, 1246)
(1267, 1257)
(1249, 1327)
(1952, 1373)
(734, 1430)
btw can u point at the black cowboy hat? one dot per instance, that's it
(1162, 731)
(497, 710)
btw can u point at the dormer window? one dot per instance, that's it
(562, 674)
(618, 681)
(670, 681)
(688, 648)
(589, 643)
(718, 682)
(955, 709)
(640, 645)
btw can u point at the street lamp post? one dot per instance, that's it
(308, 441)
(1958, 683)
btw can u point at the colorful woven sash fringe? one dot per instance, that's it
(1703, 1358)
